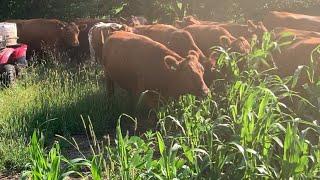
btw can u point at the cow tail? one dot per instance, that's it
(104, 62)
(104, 34)
(104, 54)
(92, 51)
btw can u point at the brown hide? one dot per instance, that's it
(246, 30)
(295, 55)
(296, 33)
(207, 36)
(290, 20)
(51, 33)
(137, 63)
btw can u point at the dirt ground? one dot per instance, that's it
(4, 176)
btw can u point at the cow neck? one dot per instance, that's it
(54, 32)
(60, 41)
(172, 89)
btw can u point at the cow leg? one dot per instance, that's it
(148, 99)
(137, 90)
(110, 85)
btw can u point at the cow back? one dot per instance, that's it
(158, 32)
(207, 36)
(297, 54)
(290, 20)
(127, 57)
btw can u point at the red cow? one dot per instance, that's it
(51, 33)
(190, 20)
(177, 40)
(180, 41)
(97, 35)
(136, 21)
(207, 36)
(296, 33)
(295, 55)
(237, 30)
(247, 31)
(290, 20)
(137, 63)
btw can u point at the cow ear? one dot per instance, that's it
(179, 24)
(250, 23)
(189, 18)
(225, 41)
(123, 20)
(273, 35)
(114, 28)
(254, 37)
(62, 25)
(82, 27)
(261, 26)
(212, 61)
(171, 63)
(193, 52)
(251, 26)
(124, 27)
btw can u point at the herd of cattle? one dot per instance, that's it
(172, 59)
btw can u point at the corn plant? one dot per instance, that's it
(45, 165)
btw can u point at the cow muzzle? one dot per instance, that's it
(74, 44)
(205, 92)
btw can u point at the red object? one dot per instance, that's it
(5, 55)
(12, 53)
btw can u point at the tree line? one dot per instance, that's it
(155, 10)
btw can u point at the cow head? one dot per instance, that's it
(191, 20)
(136, 21)
(209, 66)
(181, 41)
(188, 75)
(187, 21)
(240, 44)
(70, 33)
(126, 28)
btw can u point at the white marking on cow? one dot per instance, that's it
(101, 26)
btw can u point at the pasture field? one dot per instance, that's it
(251, 126)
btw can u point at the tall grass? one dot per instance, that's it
(52, 96)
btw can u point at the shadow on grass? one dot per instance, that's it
(68, 119)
